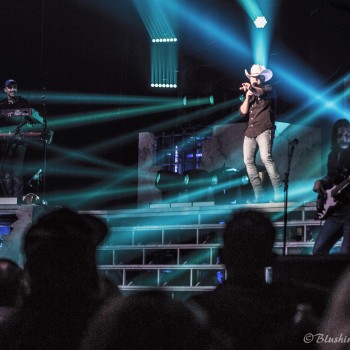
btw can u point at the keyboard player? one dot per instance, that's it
(13, 150)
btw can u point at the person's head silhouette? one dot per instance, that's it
(248, 242)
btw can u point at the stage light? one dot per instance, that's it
(245, 180)
(189, 101)
(196, 178)
(214, 180)
(170, 184)
(164, 40)
(197, 183)
(164, 86)
(164, 62)
(225, 185)
(260, 22)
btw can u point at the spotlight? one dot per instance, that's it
(260, 22)
(170, 184)
(197, 183)
(191, 101)
(225, 185)
(244, 180)
(230, 185)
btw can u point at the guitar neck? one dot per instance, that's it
(337, 190)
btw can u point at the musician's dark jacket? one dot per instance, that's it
(20, 102)
(338, 170)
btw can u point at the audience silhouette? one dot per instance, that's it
(64, 283)
(148, 321)
(334, 331)
(11, 287)
(248, 307)
(60, 300)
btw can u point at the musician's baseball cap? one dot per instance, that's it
(9, 82)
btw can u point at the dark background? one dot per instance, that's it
(76, 47)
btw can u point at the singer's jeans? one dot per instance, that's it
(335, 226)
(263, 143)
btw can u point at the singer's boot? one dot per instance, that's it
(278, 194)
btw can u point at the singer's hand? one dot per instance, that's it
(245, 87)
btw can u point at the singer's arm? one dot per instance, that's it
(256, 89)
(244, 108)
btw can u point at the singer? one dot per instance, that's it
(259, 106)
(13, 150)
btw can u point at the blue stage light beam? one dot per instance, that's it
(251, 8)
(80, 98)
(260, 46)
(156, 19)
(230, 42)
(290, 72)
(261, 37)
(329, 101)
(164, 49)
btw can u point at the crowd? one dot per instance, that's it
(59, 300)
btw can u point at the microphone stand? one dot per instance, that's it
(286, 187)
(44, 202)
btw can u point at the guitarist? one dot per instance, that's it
(337, 223)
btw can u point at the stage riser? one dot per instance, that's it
(178, 248)
(173, 248)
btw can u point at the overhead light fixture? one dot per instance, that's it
(260, 22)
(164, 40)
(165, 86)
(164, 62)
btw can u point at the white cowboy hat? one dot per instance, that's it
(258, 70)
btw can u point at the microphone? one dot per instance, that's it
(36, 177)
(294, 142)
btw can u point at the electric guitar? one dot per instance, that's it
(329, 201)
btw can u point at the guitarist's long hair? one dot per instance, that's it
(338, 124)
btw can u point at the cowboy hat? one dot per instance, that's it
(258, 70)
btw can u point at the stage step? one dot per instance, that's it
(8, 200)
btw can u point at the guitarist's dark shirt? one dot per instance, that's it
(338, 171)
